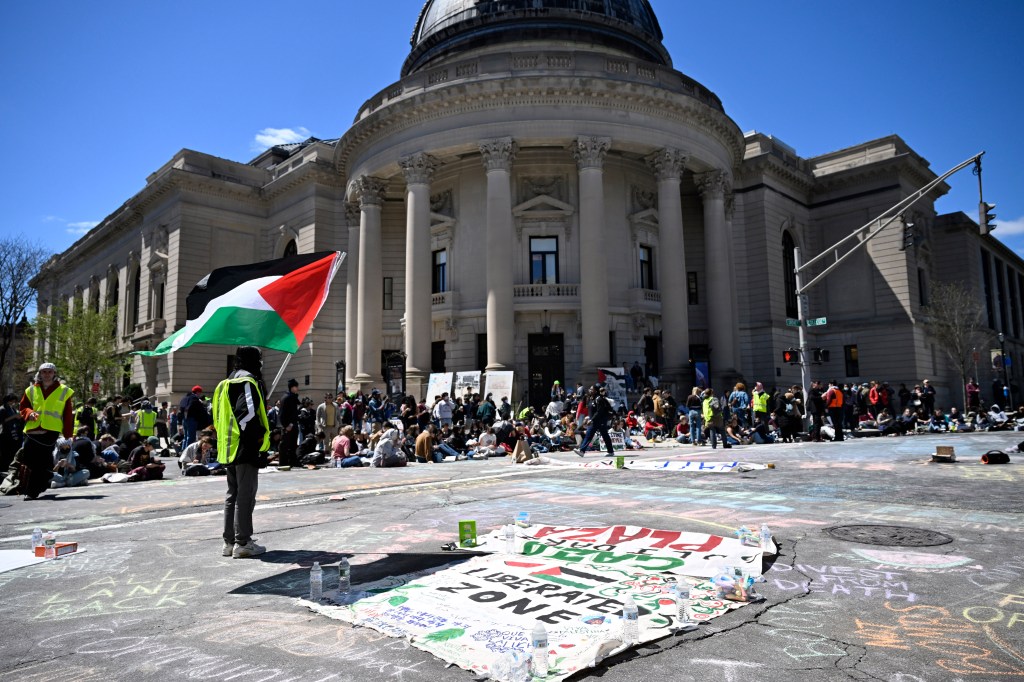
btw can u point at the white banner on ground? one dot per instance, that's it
(438, 384)
(499, 384)
(464, 380)
(672, 465)
(475, 613)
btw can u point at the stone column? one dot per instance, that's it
(498, 155)
(352, 215)
(589, 153)
(668, 165)
(418, 169)
(718, 257)
(370, 314)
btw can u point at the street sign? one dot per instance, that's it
(790, 322)
(817, 322)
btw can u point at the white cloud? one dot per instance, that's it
(81, 227)
(268, 137)
(53, 219)
(1008, 227)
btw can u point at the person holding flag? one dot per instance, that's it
(243, 438)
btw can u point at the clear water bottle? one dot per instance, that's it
(630, 621)
(37, 538)
(510, 539)
(766, 539)
(539, 641)
(50, 545)
(344, 577)
(681, 596)
(316, 582)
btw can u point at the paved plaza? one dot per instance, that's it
(149, 597)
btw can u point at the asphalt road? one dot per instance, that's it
(151, 598)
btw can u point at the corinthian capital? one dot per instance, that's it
(352, 213)
(370, 190)
(667, 163)
(713, 184)
(419, 168)
(589, 151)
(498, 153)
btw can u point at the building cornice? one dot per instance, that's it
(556, 92)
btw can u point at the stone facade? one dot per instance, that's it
(550, 205)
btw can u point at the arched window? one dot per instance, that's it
(134, 303)
(291, 249)
(789, 277)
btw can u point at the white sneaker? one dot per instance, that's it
(228, 548)
(249, 549)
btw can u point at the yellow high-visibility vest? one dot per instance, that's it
(50, 408)
(147, 423)
(228, 432)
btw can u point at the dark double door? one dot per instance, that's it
(547, 364)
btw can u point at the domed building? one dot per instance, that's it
(540, 191)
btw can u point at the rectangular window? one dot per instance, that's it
(543, 260)
(481, 351)
(646, 268)
(439, 278)
(692, 298)
(389, 293)
(922, 291)
(158, 302)
(852, 363)
(986, 281)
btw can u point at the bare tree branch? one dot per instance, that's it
(19, 262)
(955, 318)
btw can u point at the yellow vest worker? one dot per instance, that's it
(48, 412)
(147, 420)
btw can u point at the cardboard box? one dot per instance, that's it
(62, 549)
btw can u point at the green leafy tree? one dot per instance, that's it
(955, 321)
(81, 342)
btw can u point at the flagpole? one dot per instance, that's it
(284, 365)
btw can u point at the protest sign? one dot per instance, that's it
(438, 384)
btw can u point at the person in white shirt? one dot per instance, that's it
(442, 412)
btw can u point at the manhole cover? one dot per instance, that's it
(889, 536)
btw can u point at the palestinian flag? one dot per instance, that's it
(270, 304)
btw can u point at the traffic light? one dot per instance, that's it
(986, 218)
(820, 355)
(908, 236)
(791, 356)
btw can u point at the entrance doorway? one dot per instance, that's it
(547, 364)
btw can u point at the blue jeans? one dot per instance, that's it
(603, 430)
(190, 427)
(696, 427)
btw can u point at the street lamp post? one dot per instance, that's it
(339, 376)
(1006, 384)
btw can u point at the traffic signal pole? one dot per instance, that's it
(863, 234)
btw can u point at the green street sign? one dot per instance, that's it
(817, 322)
(790, 322)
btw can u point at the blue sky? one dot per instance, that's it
(97, 95)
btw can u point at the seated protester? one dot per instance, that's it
(956, 421)
(387, 453)
(908, 422)
(109, 450)
(682, 430)
(733, 434)
(128, 444)
(555, 436)
(276, 436)
(525, 413)
(505, 432)
(196, 456)
(487, 445)
(376, 431)
(456, 440)
(442, 445)
(653, 429)
(362, 446)
(409, 442)
(86, 454)
(554, 409)
(760, 433)
(66, 474)
(632, 423)
(342, 456)
(309, 452)
(938, 423)
(864, 421)
(887, 424)
(998, 421)
(980, 421)
(425, 445)
(143, 465)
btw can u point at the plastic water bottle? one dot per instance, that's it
(510, 539)
(50, 544)
(630, 621)
(766, 538)
(316, 582)
(681, 595)
(539, 640)
(344, 576)
(37, 538)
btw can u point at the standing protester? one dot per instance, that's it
(759, 403)
(714, 420)
(928, 397)
(189, 410)
(834, 404)
(10, 431)
(973, 395)
(600, 416)
(289, 416)
(327, 420)
(694, 414)
(48, 412)
(146, 420)
(161, 422)
(243, 438)
(85, 415)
